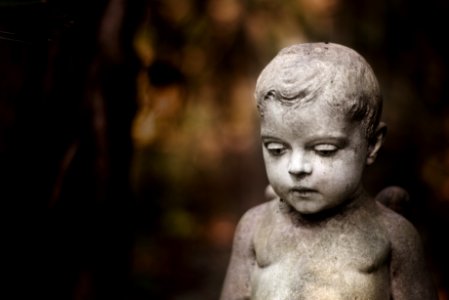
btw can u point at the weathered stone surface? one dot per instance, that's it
(321, 236)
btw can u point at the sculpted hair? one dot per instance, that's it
(326, 72)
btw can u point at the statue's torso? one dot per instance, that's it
(343, 259)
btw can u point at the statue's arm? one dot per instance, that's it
(237, 284)
(410, 277)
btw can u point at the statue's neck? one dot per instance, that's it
(320, 218)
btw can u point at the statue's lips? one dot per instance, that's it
(303, 191)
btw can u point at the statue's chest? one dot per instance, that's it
(346, 258)
(360, 248)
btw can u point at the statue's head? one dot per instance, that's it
(323, 72)
(320, 106)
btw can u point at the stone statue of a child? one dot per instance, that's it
(323, 237)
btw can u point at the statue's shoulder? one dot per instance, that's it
(401, 231)
(258, 212)
(249, 224)
(255, 216)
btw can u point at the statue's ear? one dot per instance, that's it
(376, 142)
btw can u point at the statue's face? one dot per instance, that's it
(314, 157)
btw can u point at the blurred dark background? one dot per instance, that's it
(129, 143)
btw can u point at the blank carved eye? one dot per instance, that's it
(325, 149)
(275, 149)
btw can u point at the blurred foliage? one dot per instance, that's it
(145, 110)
